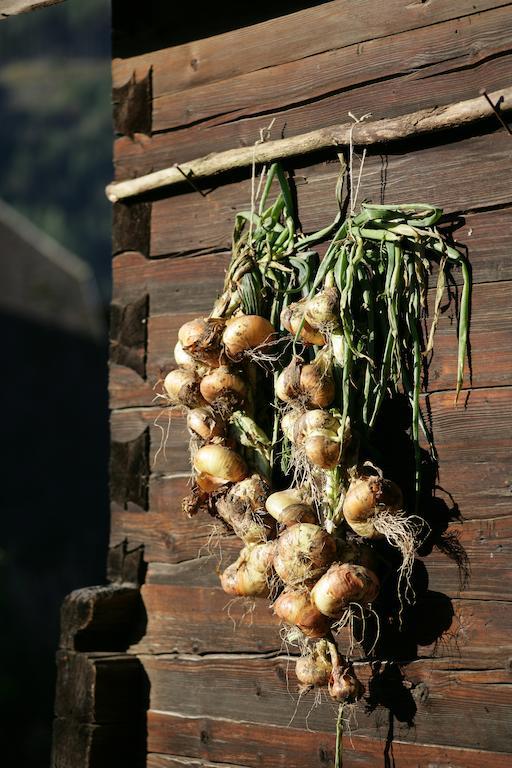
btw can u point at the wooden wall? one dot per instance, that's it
(185, 87)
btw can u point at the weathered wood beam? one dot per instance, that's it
(361, 134)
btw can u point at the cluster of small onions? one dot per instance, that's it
(211, 381)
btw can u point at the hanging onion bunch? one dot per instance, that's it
(283, 384)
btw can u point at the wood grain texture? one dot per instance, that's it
(442, 704)
(457, 45)
(209, 739)
(288, 38)
(474, 174)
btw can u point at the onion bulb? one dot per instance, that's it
(183, 359)
(204, 423)
(288, 381)
(344, 583)
(223, 386)
(323, 449)
(294, 607)
(314, 420)
(219, 463)
(315, 668)
(289, 507)
(182, 387)
(322, 309)
(250, 574)
(244, 333)
(344, 685)
(292, 318)
(317, 382)
(243, 508)
(304, 552)
(202, 340)
(365, 497)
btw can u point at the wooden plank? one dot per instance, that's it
(191, 618)
(491, 333)
(296, 35)
(168, 536)
(473, 442)
(254, 745)
(167, 761)
(421, 54)
(446, 705)
(401, 95)
(474, 174)
(100, 687)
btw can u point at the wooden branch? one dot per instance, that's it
(363, 134)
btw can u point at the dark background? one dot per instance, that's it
(55, 159)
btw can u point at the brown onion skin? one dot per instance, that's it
(311, 421)
(243, 509)
(202, 340)
(249, 575)
(344, 583)
(366, 494)
(183, 388)
(204, 423)
(222, 384)
(314, 669)
(318, 385)
(304, 552)
(322, 449)
(291, 319)
(298, 513)
(322, 309)
(295, 607)
(344, 685)
(244, 333)
(220, 462)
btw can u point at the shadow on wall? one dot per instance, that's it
(54, 490)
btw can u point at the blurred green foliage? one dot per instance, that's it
(56, 125)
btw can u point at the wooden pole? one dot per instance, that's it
(361, 133)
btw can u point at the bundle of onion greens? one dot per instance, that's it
(283, 384)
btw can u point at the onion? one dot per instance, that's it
(288, 381)
(221, 385)
(298, 513)
(219, 463)
(183, 359)
(288, 424)
(364, 498)
(250, 574)
(314, 420)
(322, 309)
(204, 423)
(315, 668)
(343, 584)
(344, 685)
(292, 318)
(202, 340)
(277, 501)
(182, 388)
(243, 508)
(294, 606)
(323, 448)
(304, 552)
(244, 333)
(317, 383)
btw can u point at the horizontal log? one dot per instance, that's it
(254, 745)
(168, 761)
(277, 41)
(168, 536)
(447, 705)
(473, 443)
(444, 175)
(362, 134)
(423, 55)
(188, 617)
(491, 352)
(100, 687)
